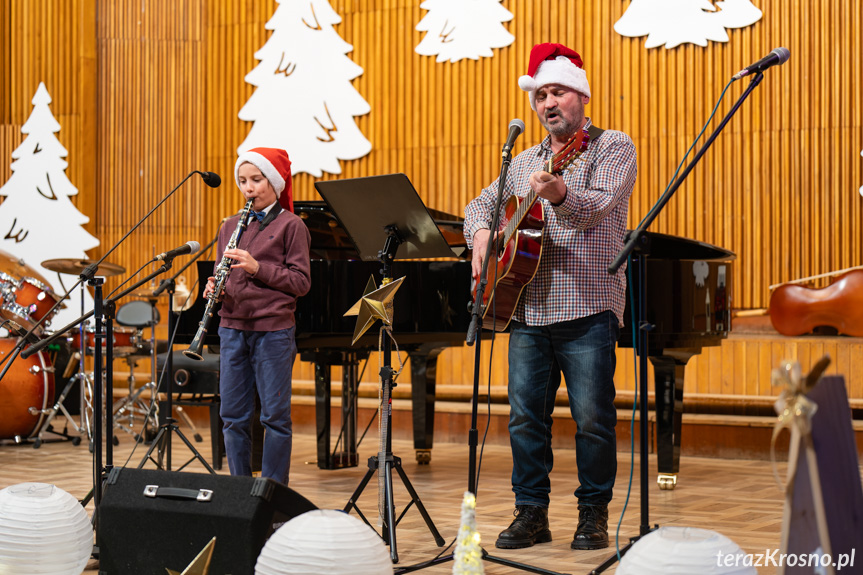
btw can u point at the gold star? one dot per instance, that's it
(374, 305)
(201, 564)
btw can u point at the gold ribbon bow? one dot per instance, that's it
(793, 408)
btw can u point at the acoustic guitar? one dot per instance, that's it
(518, 244)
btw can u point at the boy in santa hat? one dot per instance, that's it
(567, 318)
(257, 327)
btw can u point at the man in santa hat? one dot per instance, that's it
(270, 270)
(569, 316)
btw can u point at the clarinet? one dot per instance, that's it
(222, 273)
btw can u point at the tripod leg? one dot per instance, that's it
(161, 439)
(195, 453)
(188, 421)
(157, 444)
(416, 499)
(352, 502)
(52, 413)
(389, 502)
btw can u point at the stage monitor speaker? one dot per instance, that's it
(151, 520)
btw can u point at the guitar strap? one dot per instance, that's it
(594, 132)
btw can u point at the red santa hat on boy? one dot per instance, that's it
(276, 167)
(553, 64)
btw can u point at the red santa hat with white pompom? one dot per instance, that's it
(553, 64)
(276, 167)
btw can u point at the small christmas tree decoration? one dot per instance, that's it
(457, 29)
(468, 550)
(675, 22)
(38, 222)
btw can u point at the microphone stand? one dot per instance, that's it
(87, 275)
(165, 283)
(473, 434)
(638, 242)
(167, 424)
(162, 440)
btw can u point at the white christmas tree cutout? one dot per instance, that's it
(675, 22)
(38, 222)
(304, 101)
(457, 29)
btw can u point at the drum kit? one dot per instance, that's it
(28, 404)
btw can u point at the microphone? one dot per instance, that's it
(22, 333)
(187, 248)
(212, 179)
(516, 127)
(775, 58)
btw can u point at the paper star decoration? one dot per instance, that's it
(376, 304)
(201, 564)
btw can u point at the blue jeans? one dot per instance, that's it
(583, 349)
(262, 361)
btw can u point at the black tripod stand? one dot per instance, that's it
(388, 204)
(162, 440)
(384, 463)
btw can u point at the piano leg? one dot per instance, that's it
(423, 382)
(669, 370)
(322, 414)
(348, 456)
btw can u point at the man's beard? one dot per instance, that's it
(562, 127)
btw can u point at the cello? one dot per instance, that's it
(797, 310)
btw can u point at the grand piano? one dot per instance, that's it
(688, 283)
(688, 287)
(430, 314)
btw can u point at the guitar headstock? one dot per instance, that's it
(570, 152)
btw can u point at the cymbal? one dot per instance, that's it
(74, 266)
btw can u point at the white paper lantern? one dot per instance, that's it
(324, 541)
(43, 531)
(684, 551)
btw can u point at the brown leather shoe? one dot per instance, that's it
(530, 526)
(592, 531)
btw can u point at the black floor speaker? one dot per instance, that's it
(150, 520)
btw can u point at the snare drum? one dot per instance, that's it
(28, 385)
(26, 301)
(125, 340)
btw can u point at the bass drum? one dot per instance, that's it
(29, 383)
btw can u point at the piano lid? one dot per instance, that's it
(330, 241)
(666, 247)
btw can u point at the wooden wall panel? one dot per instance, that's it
(148, 91)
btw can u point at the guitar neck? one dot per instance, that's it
(518, 216)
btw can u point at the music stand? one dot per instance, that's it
(386, 211)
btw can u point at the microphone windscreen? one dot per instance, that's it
(194, 245)
(517, 123)
(783, 53)
(212, 179)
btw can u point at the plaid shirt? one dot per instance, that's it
(582, 235)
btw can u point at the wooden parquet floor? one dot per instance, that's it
(736, 498)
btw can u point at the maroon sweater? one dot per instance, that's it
(267, 300)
